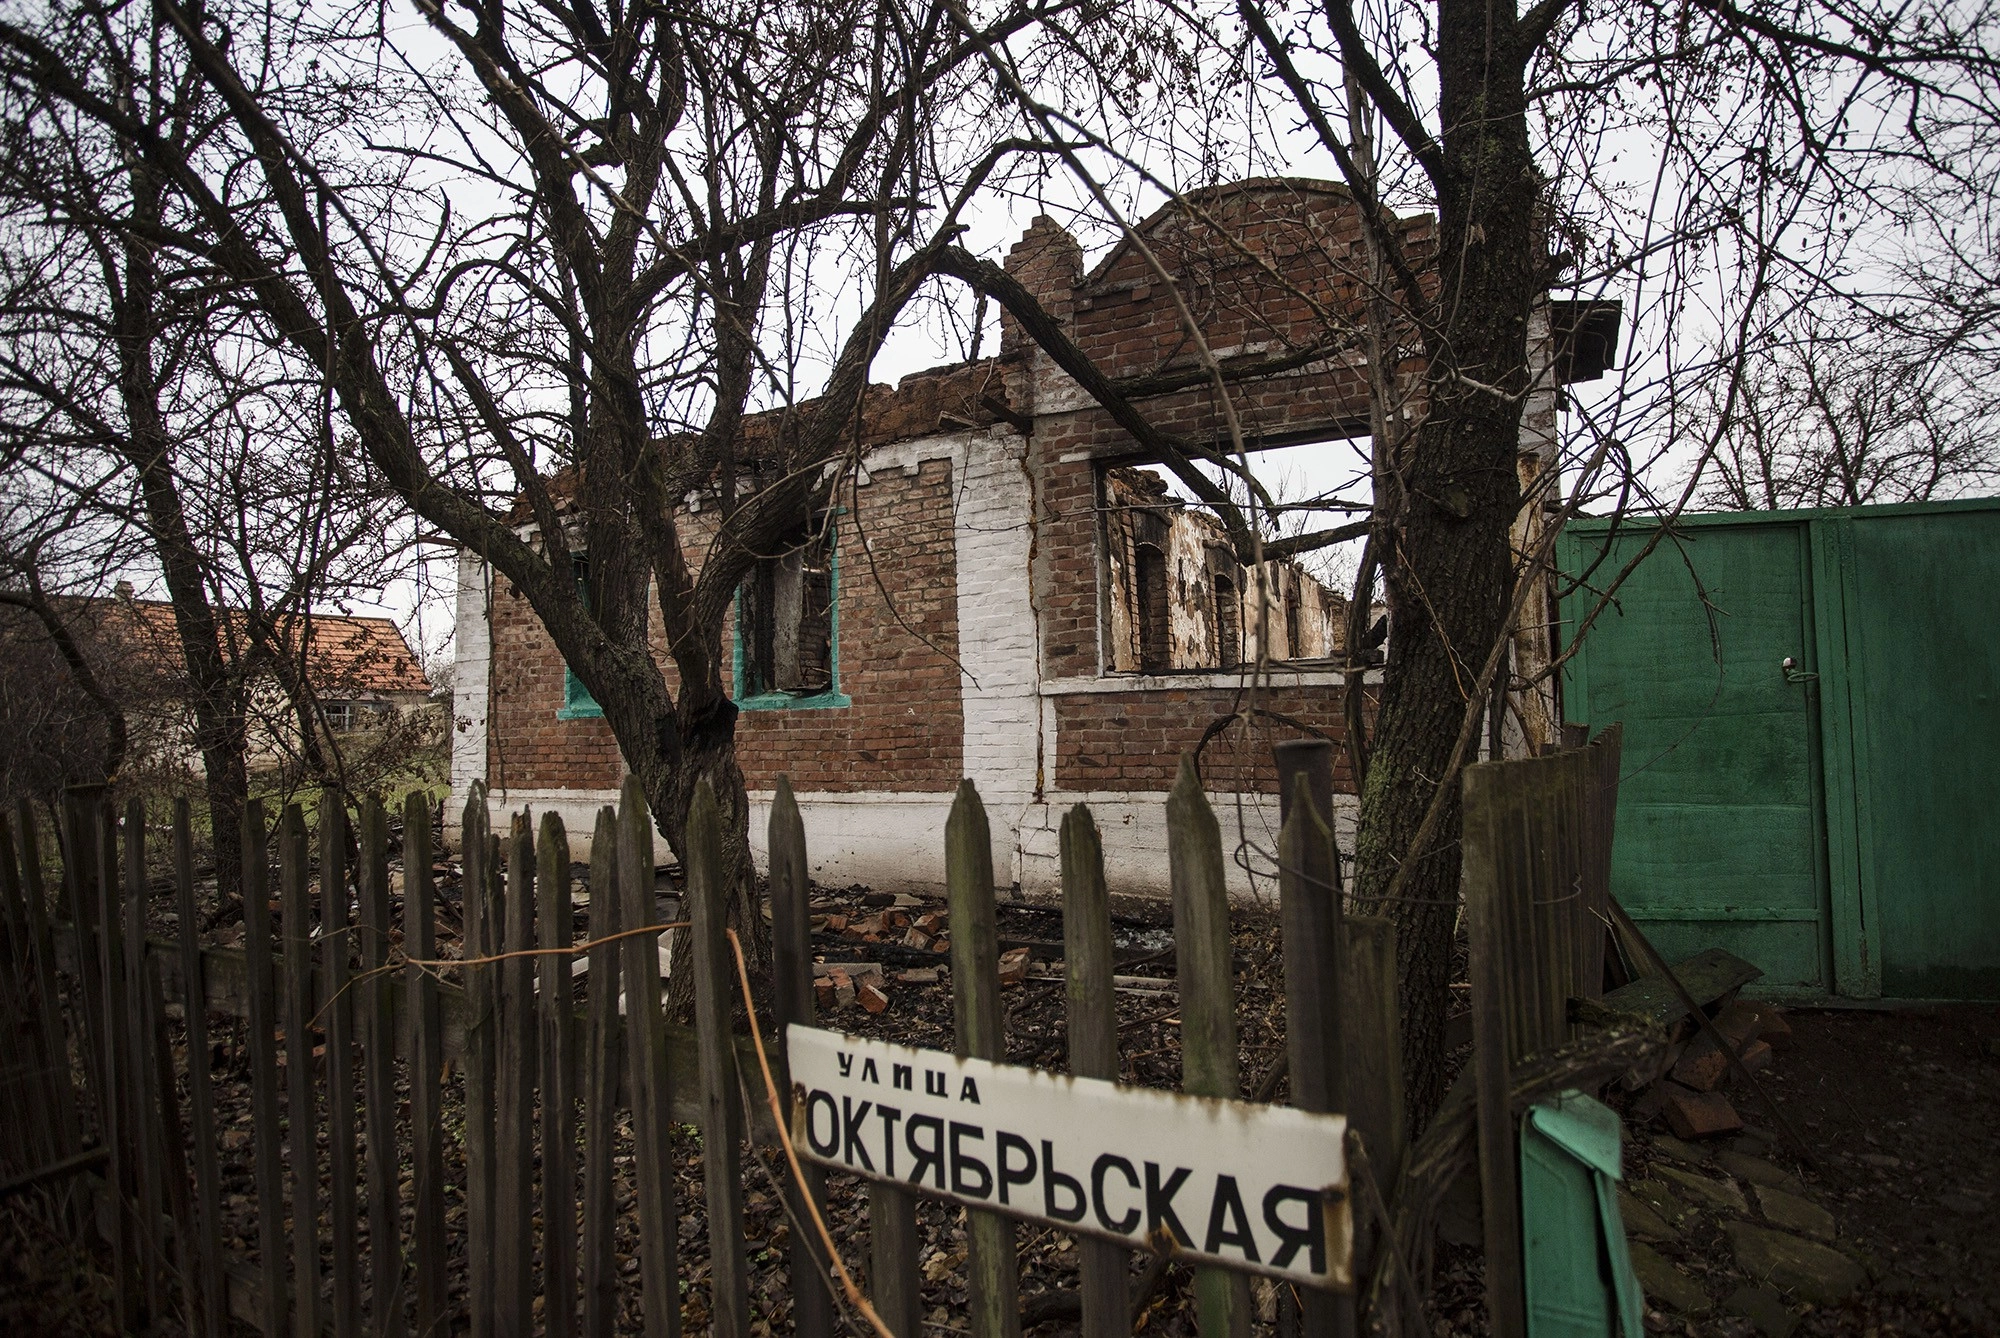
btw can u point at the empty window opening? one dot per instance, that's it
(786, 622)
(578, 704)
(1155, 603)
(1176, 598)
(1228, 622)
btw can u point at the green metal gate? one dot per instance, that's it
(1811, 702)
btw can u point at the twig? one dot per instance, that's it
(82, 1161)
(1361, 1172)
(437, 965)
(1143, 1021)
(1149, 1282)
(1272, 1077)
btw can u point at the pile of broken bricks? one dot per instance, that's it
(1688, 1094)
(896, 921)
(900, 920)
(842, 985)
(1719, 1230)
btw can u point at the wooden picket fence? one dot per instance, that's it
(353, 1021)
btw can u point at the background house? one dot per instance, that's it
(360, 672)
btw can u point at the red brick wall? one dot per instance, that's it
(526, 746)
(1279, 272)
(1274, 273)
(1284, 265)
(1134, 740)
(905, 728)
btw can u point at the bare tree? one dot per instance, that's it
(62, 723)
(1754, 139)
(564, 271)
(147, 418)
(1844, 418)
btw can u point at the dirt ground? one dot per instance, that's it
(1899, 1107)
(1899, 1110)
(1902, 1110)
(49, 1282)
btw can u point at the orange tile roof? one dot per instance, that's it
(345, 655)
(367, 654)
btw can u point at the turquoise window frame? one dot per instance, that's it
(833, 698)
(578, 704)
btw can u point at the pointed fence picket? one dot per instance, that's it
(515, 1121)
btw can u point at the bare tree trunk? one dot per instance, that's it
(1448, 571)
(708, 753)
(214, 690)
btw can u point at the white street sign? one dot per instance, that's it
(1257, 1188)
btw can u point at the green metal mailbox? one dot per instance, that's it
(1579, 1279)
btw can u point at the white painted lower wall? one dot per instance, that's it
(472, 669)
(895, 841)
(1133, 829)
(577, 808)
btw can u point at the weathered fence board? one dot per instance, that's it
(722, 1122)
(555, 1004)
(1373, 1061)
(301, 1099)
(79, 844)
(994, 1281)
(1537, 850)
(201, 1092)
(1315, 975)
(1208, 1002)
(600, 1265)
(261, 1036)
(651, 1085)
(478, 908)
(173, 1142)
(516, 1046)
(336, 949)
(22, 1141)
(426, 1055)
(67, 1134)
(1092, 1017)
(120, 1075)
(374, 1004)
(792, 990)
(148, 1183)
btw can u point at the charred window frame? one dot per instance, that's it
(1226, 609)
(787, 655)
(1136, 606)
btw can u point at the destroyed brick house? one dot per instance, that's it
(1002, 591)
